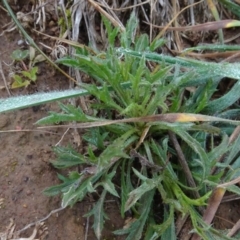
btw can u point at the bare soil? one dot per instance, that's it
(25, 169)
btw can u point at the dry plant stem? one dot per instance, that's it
(213, 204)
(3, 9)
(169, 24)
(216, 55)
(180, 223)
(183, 163)
(176, 34)
(31, 42)
(4, 79)
(234, 135)
(143, 136)
(191, 11)
(69, 42)
(232, 57)
(234, 229)
(199, 27)
(87, 228)
(230, 198)
(27, 130)
(77, 15)
(41, 220)
(168, 117)
(113, 14)
(152, 7)
(62, 137)
(126, 8)
(144, 161)
(234, 181)
(212, 208)
(110, 18)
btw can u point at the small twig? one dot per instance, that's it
(191, 2)
(234, 135)
(229, 198)
(234, 229)
(230, 183)
(27, 130)
(86, 229)
(125, 8)
(62, 137)
(4, 79)
(3, 9)
(180, 222)
(169, 24)
(183, 163)
(41, 220)
(110, 18)
(144, 161)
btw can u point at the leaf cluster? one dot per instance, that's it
(134, 83)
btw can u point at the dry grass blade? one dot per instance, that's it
(175, 17)
(228, 55)
(204, 26)
(234, 181)
(184, 164)
(170, 117)
(234, 229)
(108, 16)
(126, 8)
(4, 79)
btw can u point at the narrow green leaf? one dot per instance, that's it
(99, 215)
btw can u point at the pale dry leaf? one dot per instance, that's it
(76, 138)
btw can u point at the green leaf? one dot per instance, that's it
(116, 150)
(126, 184)
(112, 33)
(231, 6)
(108, 184)
(67, 157)
(135, 230)
(137, 193)
(67, 182)
(166, 230)
(156, 43)
(142, 43)
(230, 70)
(19, 54)
(71, 113)
(31, 74)
(19, 82)
(225, 101)
(99, 215)
(128, 37)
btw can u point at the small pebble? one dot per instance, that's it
(20, 42)
(28, 192)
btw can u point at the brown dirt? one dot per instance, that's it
(25, 169)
